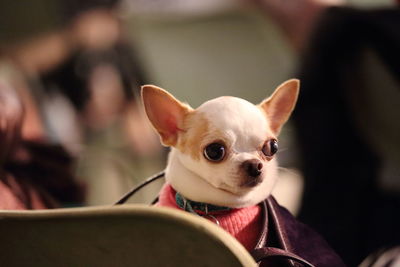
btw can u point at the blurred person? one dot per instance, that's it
(36, 173)
(39, 64)
(119, 147)
(101, 79)
(347, 121)
(14, 195)
(33, 174)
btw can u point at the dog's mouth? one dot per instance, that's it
(242, 187)
(239, 189)
(235, 190)
(252, 182)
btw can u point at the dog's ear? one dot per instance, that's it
(165, 112)
(280, 104)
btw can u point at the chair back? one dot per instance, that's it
(129, 235)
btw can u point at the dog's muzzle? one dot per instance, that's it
(252, 170)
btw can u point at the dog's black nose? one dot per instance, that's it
(253, 167)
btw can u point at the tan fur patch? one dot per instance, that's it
(194, 129)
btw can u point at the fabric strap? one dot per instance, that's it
(271, 252)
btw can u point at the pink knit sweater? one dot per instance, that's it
(244, 224)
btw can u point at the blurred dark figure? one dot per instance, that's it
(347, 121)
(72, 77)
(346, 147)
(101, 80)
(96, 32)
(33, 175)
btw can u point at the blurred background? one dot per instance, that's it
(77, 135)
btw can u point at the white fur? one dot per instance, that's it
(244, 128)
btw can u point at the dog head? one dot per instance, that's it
(227, 142)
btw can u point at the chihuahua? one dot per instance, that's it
(222, 165)
(223, 152)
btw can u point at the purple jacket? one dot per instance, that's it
(286, 241)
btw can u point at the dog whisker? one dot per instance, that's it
(288, 170)
(282, 150)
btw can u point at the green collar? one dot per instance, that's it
(197, 207)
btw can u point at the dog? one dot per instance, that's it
(222, 162)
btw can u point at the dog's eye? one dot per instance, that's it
(214, 152)
(270, 147)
